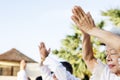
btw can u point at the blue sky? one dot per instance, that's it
(25, 23)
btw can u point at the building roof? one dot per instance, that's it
(15, 55)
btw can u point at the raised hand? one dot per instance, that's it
(22, 65)
(82, 20)
(43, 51)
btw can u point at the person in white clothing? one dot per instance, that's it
(59, 71)
(21, 75)
(100, 71)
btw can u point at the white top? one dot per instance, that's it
(107, 75)
(53, 65)
(21, 75)
(98, 70)
(59, 70)
(102, 72)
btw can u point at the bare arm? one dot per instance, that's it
(86, 24)
(87, 52)
(107, 37)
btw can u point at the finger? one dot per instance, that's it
(49, 50)
(75, 19)
(90, 18)
(80, 11)
(77, 22)
(73, 11)
(76, 12)
(42, 44)
(89, 15)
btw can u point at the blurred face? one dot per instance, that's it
(112, 57)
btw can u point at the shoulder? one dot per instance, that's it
(98, 70)
(99, 66)
(107, 75)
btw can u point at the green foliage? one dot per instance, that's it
(114, 15)
(101, 24)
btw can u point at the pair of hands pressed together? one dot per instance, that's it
(84, 21)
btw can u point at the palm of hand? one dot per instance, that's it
(43, 51)
(84, 21)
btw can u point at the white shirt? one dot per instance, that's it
(52, 65)
(59, 70)
(107, 75)
(102, 72)
(98, 70)
(21, 75)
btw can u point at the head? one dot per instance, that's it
(29, 78)
(68, 66)
(112, 59)
(39, 78)
(113, 55)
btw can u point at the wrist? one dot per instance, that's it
(93, 31)
(42, 59)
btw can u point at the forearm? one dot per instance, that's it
(88, 54)
(45, 72)
(87, 48)
(52, 63)
(57, 68)
(61, 69)
(106, 37)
